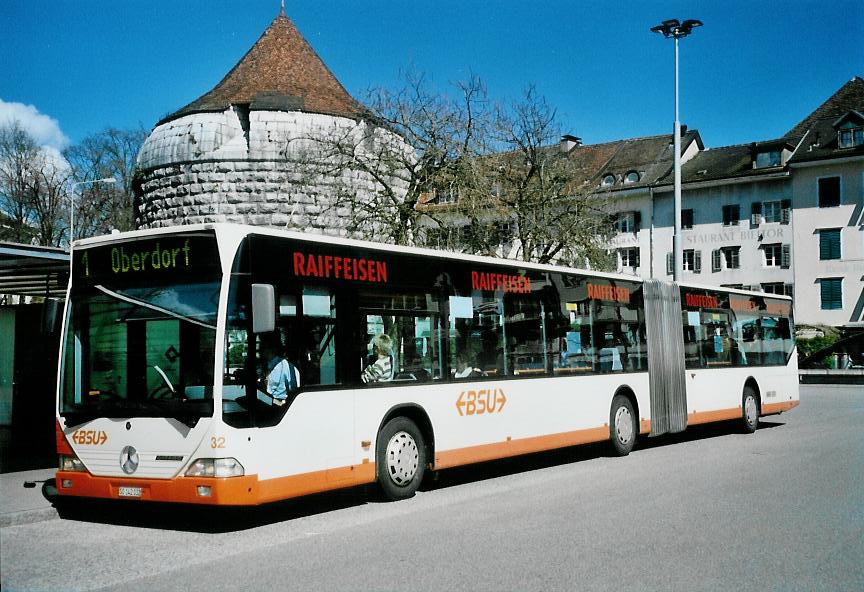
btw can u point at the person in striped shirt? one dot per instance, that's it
(381, 370)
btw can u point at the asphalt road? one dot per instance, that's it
(710, 509)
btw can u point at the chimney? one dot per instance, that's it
(569, 142)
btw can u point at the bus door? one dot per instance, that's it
(665, 357)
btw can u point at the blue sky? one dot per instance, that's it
(74, 67)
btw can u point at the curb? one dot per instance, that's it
(28, 517)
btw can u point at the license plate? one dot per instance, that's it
(129, 492)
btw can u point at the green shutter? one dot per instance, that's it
(832, 293)
(829, 244)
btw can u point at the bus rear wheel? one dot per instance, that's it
(750, 410)
(400, 459)
(622, 425)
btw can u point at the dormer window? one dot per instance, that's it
(850, 130)
(631, 177)
(770, 158)
(850, 137)
(608, 181)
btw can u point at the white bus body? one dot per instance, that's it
(152, 400)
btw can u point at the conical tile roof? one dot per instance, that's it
(281, 72)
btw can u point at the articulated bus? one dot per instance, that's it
(161, 397)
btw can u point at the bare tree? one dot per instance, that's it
(101, 207)
(455, 171)
(18, 152)
(411, 141)
(33, 183)
(534, 204)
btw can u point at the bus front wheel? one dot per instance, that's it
(400, 458)
(622, 425)
(750, 410)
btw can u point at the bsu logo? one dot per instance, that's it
(480, 402)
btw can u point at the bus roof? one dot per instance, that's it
(239, 230)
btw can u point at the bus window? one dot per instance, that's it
(717, 346)
(476, 333)
(316, 347)
(709, 339)
(525, 335)
(576, 351)
(619, 335)
(411, 321)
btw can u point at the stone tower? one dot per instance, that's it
(236, 153)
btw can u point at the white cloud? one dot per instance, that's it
(46, 130)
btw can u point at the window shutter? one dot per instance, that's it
(670, 264)
(715, 260)
(832, 293)
(637, 221)
(697, 262)
(786, 256)
(829, 244)
(756, 213)
(786, 214)
(789, 289)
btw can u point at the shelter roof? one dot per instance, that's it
(26, 270)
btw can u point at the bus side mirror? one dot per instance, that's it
(263, 308)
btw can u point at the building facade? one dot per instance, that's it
(781, 216)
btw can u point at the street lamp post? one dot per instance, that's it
(676, 30)
(72, 204)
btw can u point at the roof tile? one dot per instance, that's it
(280, 72)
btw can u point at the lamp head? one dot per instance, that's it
(675, 28)
(667, 27)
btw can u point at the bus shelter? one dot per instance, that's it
(33, 281)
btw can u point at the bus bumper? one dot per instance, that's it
(228, 491)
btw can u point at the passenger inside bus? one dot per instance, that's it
(283, 378)
(381, 367)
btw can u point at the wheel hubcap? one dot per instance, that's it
(402, 458)
(623, 425)
(750, 410)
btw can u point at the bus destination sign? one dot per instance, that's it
(150, 258)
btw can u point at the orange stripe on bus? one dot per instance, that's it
(230, 491)
(772, 408)
(315, 482)
(697, 417)
(483, 452)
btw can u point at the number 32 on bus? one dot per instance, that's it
(230, 365)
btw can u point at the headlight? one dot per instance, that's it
(215, 467)
(71, 463)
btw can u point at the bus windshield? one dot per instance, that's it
(140, 345)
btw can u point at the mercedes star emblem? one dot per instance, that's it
(129, 460)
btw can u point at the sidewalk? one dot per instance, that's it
(21, 506)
